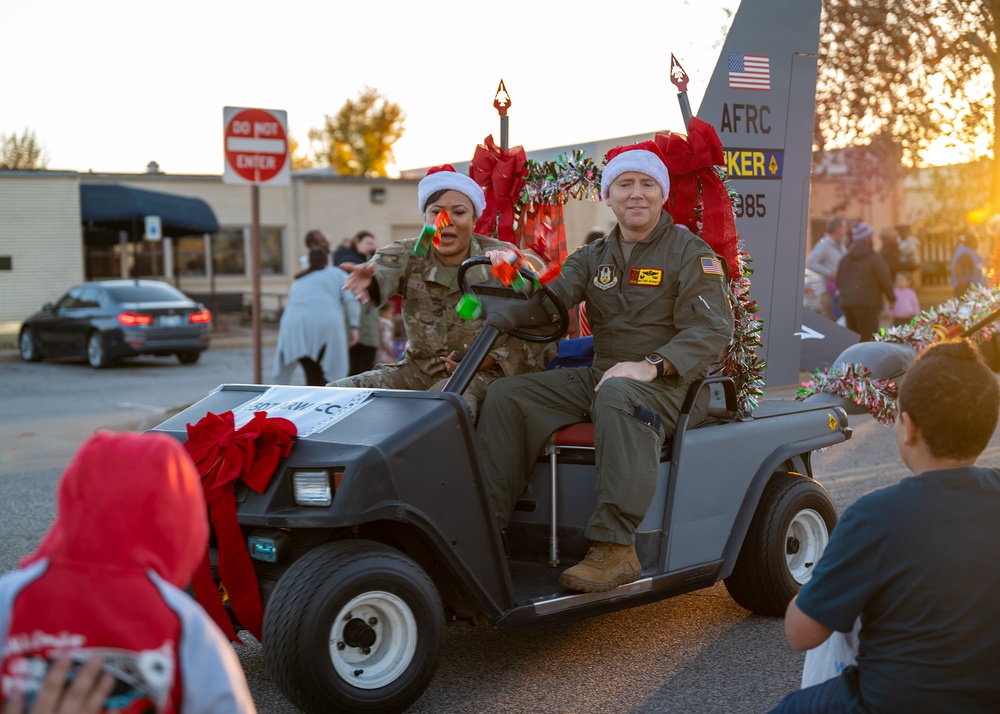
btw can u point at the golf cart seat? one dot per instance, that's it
(575, 443)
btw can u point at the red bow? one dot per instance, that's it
(501, 175)
(690, 162)
(224, 455)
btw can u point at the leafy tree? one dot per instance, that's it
(913, 70)
(299, 160)
(358, 140)
(22, 152)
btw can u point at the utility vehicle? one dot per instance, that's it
(377, 529)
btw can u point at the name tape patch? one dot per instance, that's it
(645, 276)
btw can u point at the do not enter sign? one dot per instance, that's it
(256, 145)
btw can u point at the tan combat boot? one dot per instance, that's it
(606, 566)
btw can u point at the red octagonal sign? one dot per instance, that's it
(256, 145)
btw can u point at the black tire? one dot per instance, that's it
(29, 346)
(789, 530)
(353, 626)
(97, 351)
(188, 357)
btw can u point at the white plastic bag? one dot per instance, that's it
(831, 658)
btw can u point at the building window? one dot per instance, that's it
(228, 252)
(190, 256)
(271, 252)
(231, 251)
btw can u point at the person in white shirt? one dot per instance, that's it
(824, 259)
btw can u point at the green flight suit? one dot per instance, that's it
(430, 293)
(670, 297)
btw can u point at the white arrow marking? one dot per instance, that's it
(809, 333)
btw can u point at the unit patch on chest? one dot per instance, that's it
(645, 276)
(607, 276)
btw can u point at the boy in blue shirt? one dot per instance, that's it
(919, 561)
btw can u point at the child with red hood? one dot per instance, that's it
(106, 582)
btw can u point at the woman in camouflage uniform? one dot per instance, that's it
(436, 335)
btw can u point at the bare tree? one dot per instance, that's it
(22, 152)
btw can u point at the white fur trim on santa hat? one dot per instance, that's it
(432, 183)
(645, 162)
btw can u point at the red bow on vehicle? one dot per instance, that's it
(501, 175)
(223, 456)
(690, 162)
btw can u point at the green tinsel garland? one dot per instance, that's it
(571, 175)
(878, 397)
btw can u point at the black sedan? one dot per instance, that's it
(102, 321)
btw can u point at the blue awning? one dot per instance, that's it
(107, 203)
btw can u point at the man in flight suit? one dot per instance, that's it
(659, 308)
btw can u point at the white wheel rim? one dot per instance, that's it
(27, 349)
(94, 351)
(805, 540)
(390, 620)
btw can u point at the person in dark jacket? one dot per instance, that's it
(360, 250)
(863, 280)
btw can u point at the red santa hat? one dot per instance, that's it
(445, 177)
(644, 157)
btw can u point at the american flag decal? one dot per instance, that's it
(749, 72)
(711, 266)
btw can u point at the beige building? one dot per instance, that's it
(46, 247)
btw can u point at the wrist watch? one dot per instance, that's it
(657, 361)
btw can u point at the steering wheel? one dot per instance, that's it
(515, 310)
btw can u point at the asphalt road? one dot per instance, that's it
(698, 653)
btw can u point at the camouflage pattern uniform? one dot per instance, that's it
(434, 330)
(669, 297)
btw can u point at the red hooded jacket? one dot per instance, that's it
(106, 581)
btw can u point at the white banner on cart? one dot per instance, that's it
(311, 409)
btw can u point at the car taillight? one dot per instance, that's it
(129, 319)
(200, 316)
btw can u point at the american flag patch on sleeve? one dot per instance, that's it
(711, 266)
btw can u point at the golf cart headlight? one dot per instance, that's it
(312, 488)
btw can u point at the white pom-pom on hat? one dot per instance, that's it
(440, 178)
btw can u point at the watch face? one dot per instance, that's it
(654, 359)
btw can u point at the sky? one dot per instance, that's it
(109, 86)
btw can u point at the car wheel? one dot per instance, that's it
(787, 536)
(29, 346)
(97, 354)
(353, 626)
(188, 357)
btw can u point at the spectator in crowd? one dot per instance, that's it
(917, 561)
(909, 252)
(437, 336)
(824, 258)
(387, 333)
(107, 582)
(314, 239)
(889, 250)
(319, 323)
(967, 268)
(862, 281)
(907, 305)
(359, 250)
